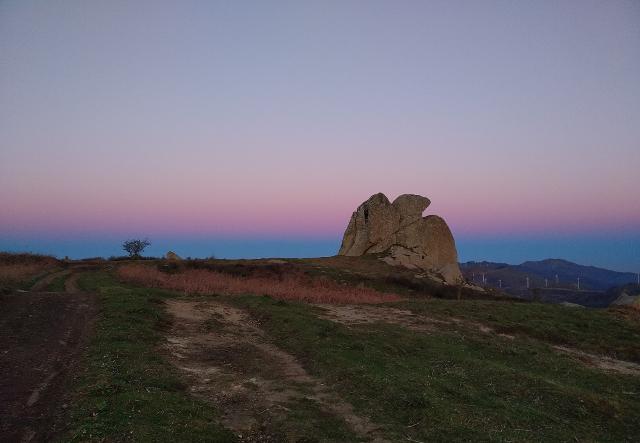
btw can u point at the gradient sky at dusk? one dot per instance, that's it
(250, 129)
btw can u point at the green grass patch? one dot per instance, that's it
(597, 331)
(57, 285)
(126, 390)
(460, 385)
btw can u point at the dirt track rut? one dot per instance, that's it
(229, 360)
(41, 337)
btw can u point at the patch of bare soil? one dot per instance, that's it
(228, 360)
(362, 314)
(41, 337)
(602, 362)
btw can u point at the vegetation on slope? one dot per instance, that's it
(451, 382)
(290, 286)
(591, 330)
(127, 390)
(457, 384)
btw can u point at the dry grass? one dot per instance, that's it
(11, 274)
(287, 287)
(16, 268)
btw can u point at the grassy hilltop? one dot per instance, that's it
(342, 349)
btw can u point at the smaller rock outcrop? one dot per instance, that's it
(172, 256)
(626, 300)
(400, 232)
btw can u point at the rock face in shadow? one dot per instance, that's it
(403, 235)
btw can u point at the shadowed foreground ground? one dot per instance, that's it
(42, 335)
(164, 365)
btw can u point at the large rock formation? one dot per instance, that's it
(403, 235)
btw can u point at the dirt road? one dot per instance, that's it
(230, 361)
(41, 338)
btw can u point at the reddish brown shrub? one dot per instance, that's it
(293, 287)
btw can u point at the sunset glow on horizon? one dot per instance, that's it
(225, 121)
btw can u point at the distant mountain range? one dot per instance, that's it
(552, 280)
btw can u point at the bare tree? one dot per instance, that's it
(134, 247)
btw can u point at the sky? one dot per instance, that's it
(248, 129)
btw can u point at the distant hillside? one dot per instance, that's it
(552, 280)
